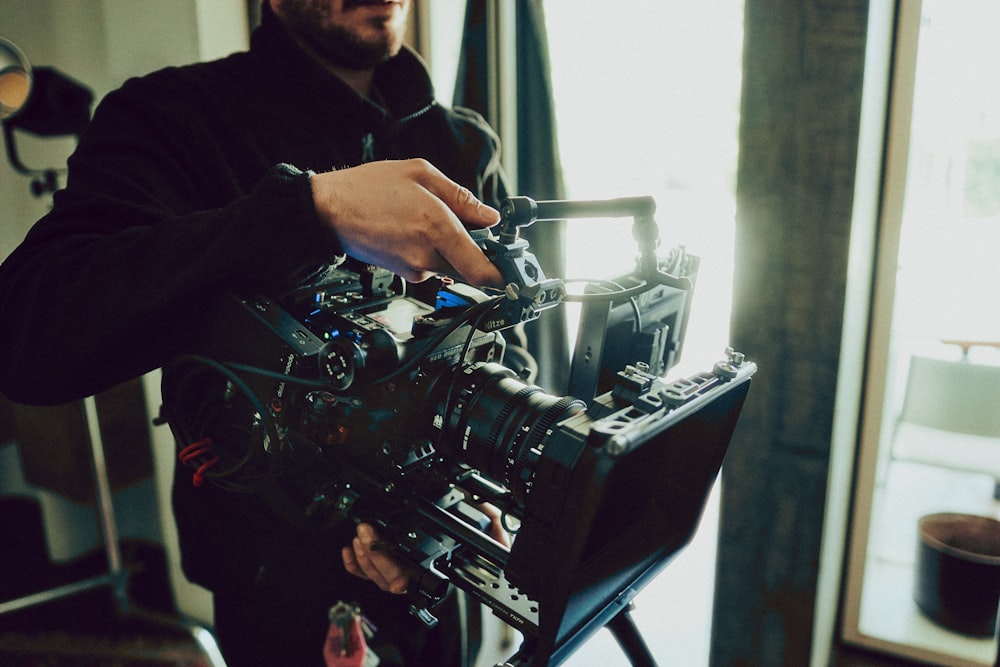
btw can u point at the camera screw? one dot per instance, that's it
(735, 358)
(673, 397)
(639, 369)
(728, 369)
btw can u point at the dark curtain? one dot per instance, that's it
(538, 172)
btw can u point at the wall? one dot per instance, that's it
(803, 72)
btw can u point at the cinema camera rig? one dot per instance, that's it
(345, 399)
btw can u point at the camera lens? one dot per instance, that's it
(500, 425)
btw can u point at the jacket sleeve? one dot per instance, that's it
(153, 227)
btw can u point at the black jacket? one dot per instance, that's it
(172, 200)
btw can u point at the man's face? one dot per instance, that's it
(358, 34)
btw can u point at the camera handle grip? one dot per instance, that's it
(521, 268)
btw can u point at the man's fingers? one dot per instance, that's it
(366, 560)
(351, 563)
(470, 210)
(381, 568)
(408, 217)
(363, 554)
(460, 200)
(469, 262)
(460, 252)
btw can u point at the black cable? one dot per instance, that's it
(619, 293)
(473, 327)
(275, 375)
(270, 427)
(477, 311)
(626, 293)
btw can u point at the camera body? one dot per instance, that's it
(345, 399)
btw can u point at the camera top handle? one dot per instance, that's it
(516, 212)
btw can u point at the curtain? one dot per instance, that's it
(538, 172)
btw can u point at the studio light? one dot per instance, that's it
(41, 101)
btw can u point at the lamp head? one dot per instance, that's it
(42, 101)
(15, 79)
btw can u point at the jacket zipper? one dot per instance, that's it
(418, 112)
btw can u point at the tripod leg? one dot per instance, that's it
(628, 637)
(105, 507)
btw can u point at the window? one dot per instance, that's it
(940, 227)
(647, 96)
(647, 100)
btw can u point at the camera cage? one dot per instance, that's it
(605, 484)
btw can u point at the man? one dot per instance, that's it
(195, 182)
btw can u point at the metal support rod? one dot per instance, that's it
(54, 593)
(627, 635)
(105, 506)
(622, 207)
(117, 576)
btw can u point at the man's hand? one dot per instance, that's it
(407, 217)
(364, 559)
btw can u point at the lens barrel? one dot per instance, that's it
(500, 425)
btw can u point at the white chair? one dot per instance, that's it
(951, 416)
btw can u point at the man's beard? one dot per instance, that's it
(342, 47)
(335, 44)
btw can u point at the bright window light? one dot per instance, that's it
(647, 96)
